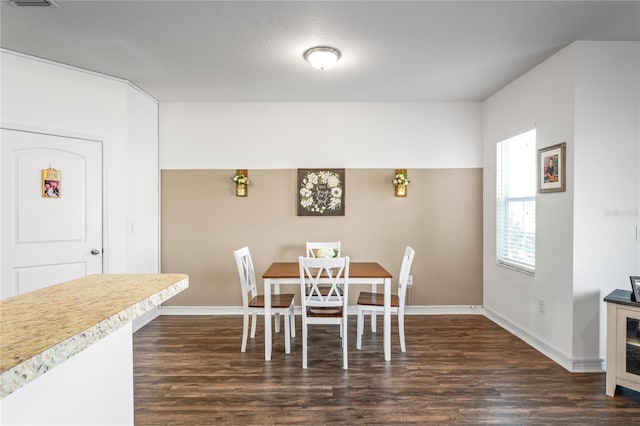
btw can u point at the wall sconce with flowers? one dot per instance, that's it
(241, 178)
(400, 182)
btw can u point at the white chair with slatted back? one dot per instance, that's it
(321, 308)
(253, 303)
(323, 249)
(319, 249)
(369, 302)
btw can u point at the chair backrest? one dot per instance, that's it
(327, 272)
(323, 249)
(403, 278)
(247, 274)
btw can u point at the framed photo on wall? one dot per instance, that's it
(635, 288)
(321, 192)
(51, 179)
(551, 168)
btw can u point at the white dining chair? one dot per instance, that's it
(323, 249)
(319, 249)
(319, 307)
(374, 302)
(253, 303)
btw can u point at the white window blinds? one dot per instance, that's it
(516, 202)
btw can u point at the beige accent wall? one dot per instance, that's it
(441, 218)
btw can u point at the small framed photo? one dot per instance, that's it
(635, 288)
(51, 179)
(551, 168)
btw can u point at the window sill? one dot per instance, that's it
(517, 268)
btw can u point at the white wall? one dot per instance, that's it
(292, 135)
(587, 96)
(606, 186)
(45, 96)
(142, 183)
(543, 98)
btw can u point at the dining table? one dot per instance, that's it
(360, 273)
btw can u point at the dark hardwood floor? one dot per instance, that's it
(188, 370)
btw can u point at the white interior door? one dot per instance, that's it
(48, 240)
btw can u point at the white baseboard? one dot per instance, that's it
(444, 310)
(560, 358)
(201, 310)
(588, 366)
(145, 319)
(237, 310)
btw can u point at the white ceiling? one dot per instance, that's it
(252, 51)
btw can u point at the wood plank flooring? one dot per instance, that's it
(464, 369)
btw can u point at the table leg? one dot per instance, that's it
(276, 320)
(267, 319)
(387, 319)
(374, 289)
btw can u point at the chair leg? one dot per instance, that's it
(359, 328)
(277, 321)
(403, 347)
(245, 331)
(304, 344)
(292, 318)
(345, 359)
(254, 320)
(373, 321)
(287, 335)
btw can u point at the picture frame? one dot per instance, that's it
(552, 168)
(51, 180)
(320, 192)
(635, 288)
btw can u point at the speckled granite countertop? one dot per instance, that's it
(43, 328)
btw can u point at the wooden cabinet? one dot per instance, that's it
(623, 342)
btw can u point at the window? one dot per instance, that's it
(516, 202)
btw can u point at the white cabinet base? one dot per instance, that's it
(94, 387)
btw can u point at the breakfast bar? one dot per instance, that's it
(68, 348)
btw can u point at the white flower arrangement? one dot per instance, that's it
(320, 191)
(401, 179)
(326, 252)
(240, 178)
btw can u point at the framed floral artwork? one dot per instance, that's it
(321, 192)
(551, 168)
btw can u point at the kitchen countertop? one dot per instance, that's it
(43, 328)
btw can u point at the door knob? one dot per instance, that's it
(95, 252)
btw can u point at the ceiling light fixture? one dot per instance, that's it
(23, 3)
(322, 57)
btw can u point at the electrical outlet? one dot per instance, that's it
(541, 307)
(410, 280)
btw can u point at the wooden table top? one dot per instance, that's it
(356, 270)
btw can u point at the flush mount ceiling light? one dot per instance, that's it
(22, 3)
(322, 57)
